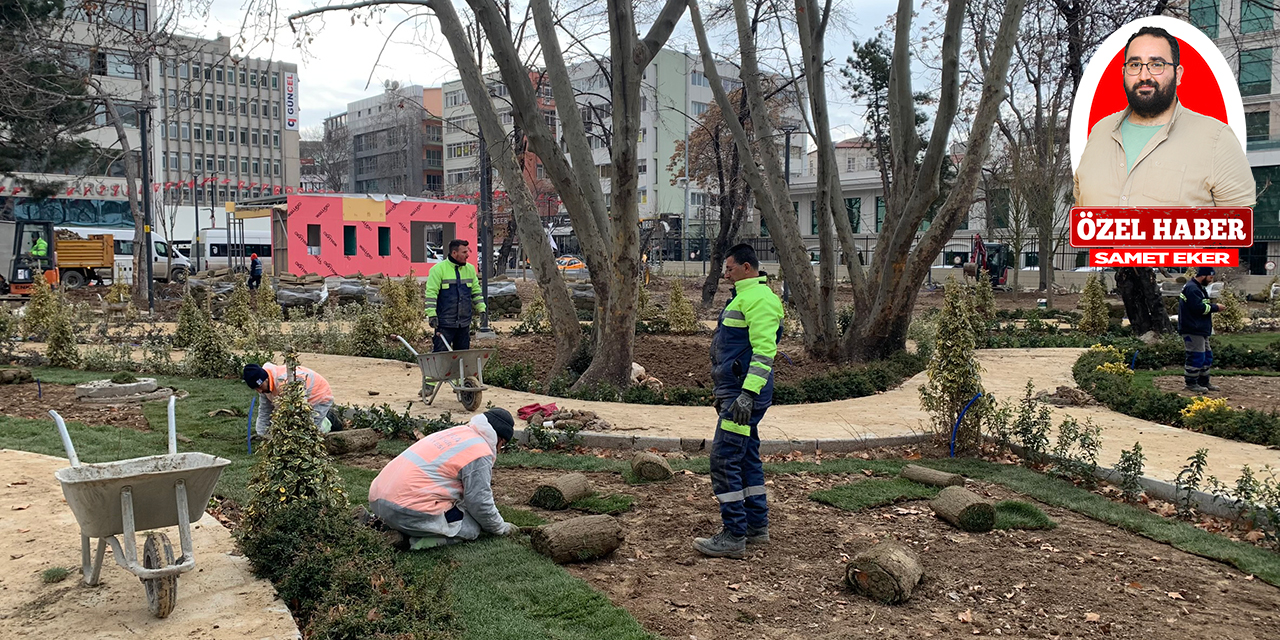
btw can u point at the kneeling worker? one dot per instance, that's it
(269, 380)
(439, 490)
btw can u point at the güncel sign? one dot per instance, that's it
(291, 101)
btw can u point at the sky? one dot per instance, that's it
(346, 61)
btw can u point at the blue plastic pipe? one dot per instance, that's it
(1134, 361)
(956, 427)
(248, 438)
(39, 390)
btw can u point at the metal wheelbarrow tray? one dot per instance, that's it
(463, 370)
(153, 492)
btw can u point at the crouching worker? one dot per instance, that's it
(439, 490)
(269, 380)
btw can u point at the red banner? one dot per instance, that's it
(1164, 258)
(1167, 227)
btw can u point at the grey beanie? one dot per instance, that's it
(502, 423)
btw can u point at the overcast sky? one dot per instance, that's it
(342, 63)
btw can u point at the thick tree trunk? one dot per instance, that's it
(964, 510)
(561, 492)
(925, 475)
(730, 221)
(650, 466)
(343, 442)
(1142, 302)
(578, 539)
(887, 572)
(860, 344)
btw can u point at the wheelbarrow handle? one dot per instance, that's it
(406, 344)
(66, 438)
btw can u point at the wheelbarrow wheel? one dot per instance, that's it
(470, 399)
(162, 593)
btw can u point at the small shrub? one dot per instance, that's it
(54, 574)
(1116, 369)
(680, 313)
(1031, 427)
(42, 307)
(61, 349)
(265, 305)
(954, 374)
(984, 299)
(1130, 470)
(124, 377)
(1068, 439)
(190, 316)
(238, 314)
(549, 438)
(1188, 481)
(387, 421)
(1090, 445)
(208, 355)
(923, 330)
(368, 337)
(400, 309)
(517, 375)
(534, 318)
(1230, 318)
(1095, 319)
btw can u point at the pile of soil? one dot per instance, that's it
(26, 401)
(1083, 579)
(1243, 392)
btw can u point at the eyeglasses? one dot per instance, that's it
(1156, 67)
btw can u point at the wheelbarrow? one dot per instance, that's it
(463, 370)
(153, 492)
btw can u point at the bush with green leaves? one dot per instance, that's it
(680, 313)
(955, 376)
(42, 308)
(923, 330)
(238, 313)
(1129, 468)
(294, 465)
(61, 348)
(8, 329)
(534, 318)
(402, 310)
(385, 420)
(265, 305)
(1231, 313)
(1188, 482)
(208, 354)
(984, 301)
(1096, 314)
(1031, 427)
(368, 337)
(190, 316)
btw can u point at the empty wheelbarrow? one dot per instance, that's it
(115, 498)
(463, 370)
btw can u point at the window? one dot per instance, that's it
(1204, 15)
(184, 100)
(313, 239)
(253, 80)
(461, 150)
(698, 79)
(186, 162)
(880, 212)
(208, 102)
(275, 109)
(235, 162)
(218, 74)
(642, 196)
(184, 70)
(698, 199)
(244, 105)
(253, 136)
(186, 131)
(642, 166)
(853, 208)
(642, 135)
(222, 134)
(456, 98)
(244, 165)
(348, 239)
(171, 68)
(1255, 16)
(870, 164)
(173, 130)
(199, 163)
(275, 80)
(275, 139)
(244, 78)
(173, 99)
(208, 134)
(1255, 72)
(813, 216)
(231, 75)
(218, 104)
(164, 161)
(244, 135)
(195, 70)
(275, 167)
(198, 133)
(384, 241)
(644, 103)
(699, 108)
(253, 107)
(257, 167)
(222, 164)
(433, 158)
(1258, 125)
(208, 163)
(851, 164)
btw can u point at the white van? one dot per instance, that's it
(124, 253)
(211, 252)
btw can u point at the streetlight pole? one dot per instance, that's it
(787, 129)
(144, 122)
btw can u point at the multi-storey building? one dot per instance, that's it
(395, 141)
(226, 127)
(461, 135)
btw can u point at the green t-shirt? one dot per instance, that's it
(1135, 138)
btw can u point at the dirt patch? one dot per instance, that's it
(34, 401)
(1037, 584)
(1243, 392)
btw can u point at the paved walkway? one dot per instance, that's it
(893, 413)
(220, 598)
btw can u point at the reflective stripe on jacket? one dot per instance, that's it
(40, 248)
(424, 478)
(317, 388)
(746, 341)
(453, 290)
(1194, 310)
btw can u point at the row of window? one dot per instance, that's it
(350, 245)
(1255, 16)
(223, 104)
(104, 62)
(853, 209)
(199, 197)
(226, 74)
(126, 15)
(210, 133)
(245, 165)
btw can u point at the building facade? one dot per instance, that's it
(395, 140)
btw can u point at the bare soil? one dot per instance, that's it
(1243, 392)
(1083, 579)
(34, 401)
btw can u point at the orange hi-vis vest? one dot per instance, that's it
(316, 386)
(425, 477)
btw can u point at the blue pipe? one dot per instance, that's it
(1134, 361)
(248, 438)
(39, 390)
(956, 427)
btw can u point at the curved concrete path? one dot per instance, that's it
(220, 598)
(893, 413)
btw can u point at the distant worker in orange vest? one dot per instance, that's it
(269, 380)
(439, 490)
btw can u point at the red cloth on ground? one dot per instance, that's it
(526, 412)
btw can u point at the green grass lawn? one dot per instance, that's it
(1247, 340)
(1146, 377)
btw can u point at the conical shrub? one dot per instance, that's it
(680, 313)
(1096, 316)
(954, 374)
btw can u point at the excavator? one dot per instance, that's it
(991, 257)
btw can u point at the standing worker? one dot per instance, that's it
(269, 380)
(1195, 323)
(439, 491)
(255, 272)
(453, 291)
(742, 351)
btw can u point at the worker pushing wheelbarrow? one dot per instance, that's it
(126, 496)
(463, 370)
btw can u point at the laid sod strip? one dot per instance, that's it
(1016, 514)
(503, 590)
(605, 505)
(520, 517)
(873, 492)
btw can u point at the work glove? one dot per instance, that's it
(740, 410)
(434, 322)
(509, 529)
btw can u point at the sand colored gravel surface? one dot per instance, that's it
(219, 598)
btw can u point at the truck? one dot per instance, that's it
(68, 261)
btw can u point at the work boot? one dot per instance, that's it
(1195, 388)
(1204, 382)
(758, 536)
(397, 540)
(362, 517)
(722, 545)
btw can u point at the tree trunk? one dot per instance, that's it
(561, 492)
(887, 572)
(964, 510)
(860, 345)
(343, 442)
(1142, 302)
(925, 475)
(650, 466)
(135, 195)
(578, 539)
